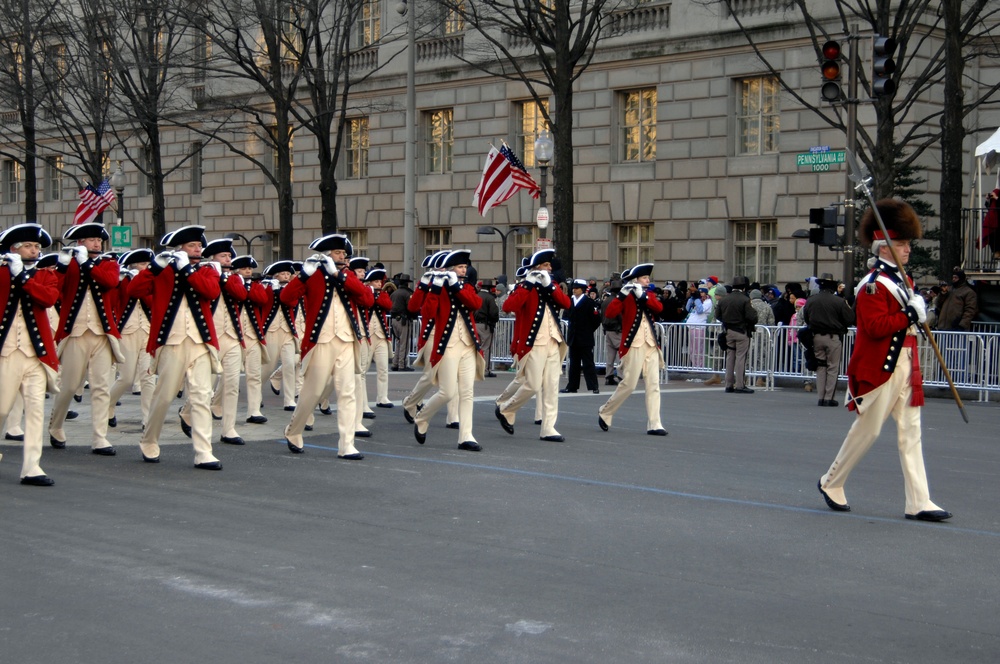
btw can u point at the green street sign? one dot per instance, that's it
(121, 237)
(820, 160)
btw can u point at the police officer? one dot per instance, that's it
(828, 316)
(738, 318)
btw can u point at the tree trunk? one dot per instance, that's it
(952, 136)
(327, 192)
(562, 168)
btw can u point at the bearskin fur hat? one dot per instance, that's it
(900, 220)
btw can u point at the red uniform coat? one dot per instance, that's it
(425, 303)
(380, 311)
(160, 283)
(273, 307)
(629, 307)
(258, 299)
(442, 296)
(313, 290)
(523, 303)
(124, 300)
(233, 294)
(881, 336)
(42, 290)
(105, 274)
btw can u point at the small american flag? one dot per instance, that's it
(93, 202)
(503, 176)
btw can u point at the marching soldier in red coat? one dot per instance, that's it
(88, 335)
(380, 335)
(883, 376)
(255, 352)
(332, 294)
(181, 339)
(455, 357)
(133, 323)
(280, 327)
(639, 349)
(538, 344)
(226, 312)
(424, 303)
(28, 359)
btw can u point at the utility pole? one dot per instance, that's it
(852, 140)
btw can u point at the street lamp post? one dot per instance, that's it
(410, 149)
(118, 183)
(543, 155)
(249, 241)
(490, 230)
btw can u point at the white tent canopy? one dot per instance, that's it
(987, 155)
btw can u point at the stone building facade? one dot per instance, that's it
(685, 153)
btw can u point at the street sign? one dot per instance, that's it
(121, 237)
(543, 243)
(820, 160)
(542, 217)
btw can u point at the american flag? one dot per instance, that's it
(503, 176)
(93, 202)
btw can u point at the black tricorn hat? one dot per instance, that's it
(457, 257)
(184, 235)
(223, 245)
(136, 256)
(375, 273)
(332, 242)
(542, 256)
(359, 263)
(24, 233)
(48, 260)
(244, 261)
(84, 231)
(640, 270)
(900, 220)
(279, 266)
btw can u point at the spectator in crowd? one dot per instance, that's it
(487, 317)
(612, 332)
(674, 310)
(699, 308)
(957, 306)
(765, 316)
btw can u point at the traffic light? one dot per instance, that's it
(883, 66)
(830, 70)
(825, 220)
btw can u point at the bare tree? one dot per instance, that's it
(547, 46)
(152, 56)
(22, 38)
(916, 26)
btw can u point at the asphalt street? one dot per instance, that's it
(709, 545)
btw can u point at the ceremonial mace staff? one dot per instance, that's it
(861, 178)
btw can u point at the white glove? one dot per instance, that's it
(81, 254)
(439, 279)
(215, 265)
(309, 266)
(916, 302)
(329, 265)
(162, 259)
(133, 273)
(273, 283)
(426, 279)
(544, 278)
(181, 260)
(531, 277)
(122, 273)
(451, 277)
(15, 263)
(66, 255)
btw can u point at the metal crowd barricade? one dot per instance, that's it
(973, 358)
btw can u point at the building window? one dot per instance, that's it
(756, 250)
(197, 164)
(638, 125)
(454, 21)
(758, 118)
(359, 240)
(524, 247)
(368, 28)
(439, 141)
(634, 243)
(53, 178)
(357, 148)
(11, 180)
(202, 51)
(531, 122)
(437, 239)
